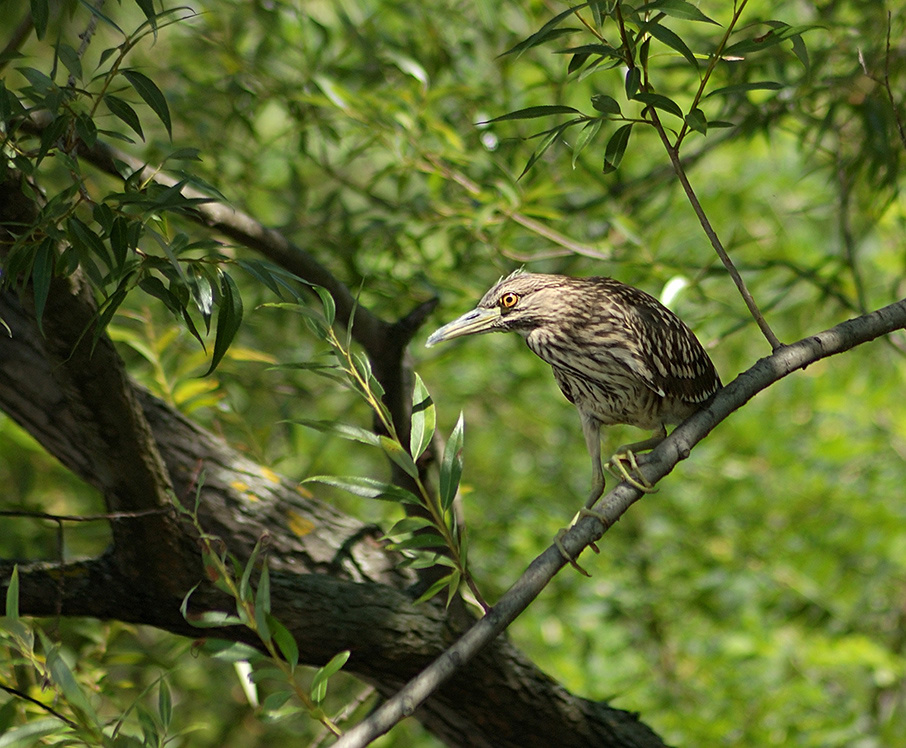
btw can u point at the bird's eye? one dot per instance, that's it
(508, 300)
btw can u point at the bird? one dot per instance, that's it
(617, 353)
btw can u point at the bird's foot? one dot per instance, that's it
(570, 560)
(632, 475)
(583, 512)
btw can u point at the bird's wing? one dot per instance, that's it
(676, 366)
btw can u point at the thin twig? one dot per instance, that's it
(41, 704)
(712, 234)
(86, 36)
(82, 517)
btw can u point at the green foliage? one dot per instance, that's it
(756, 598)
(425, 538)
(253, 610)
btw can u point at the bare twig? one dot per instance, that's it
(49, 709)
(676, 447)
(712, 234)
(86, 36)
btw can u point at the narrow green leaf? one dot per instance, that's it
(671, 39)
(548, 141)
(164, 703)
(62, 675)
(395, 451)
(245, 583)
(451, 465)
(330, 306)
(587, 134)
(534, 111)
(439, 585)
(576, 62)
(424, 419)
(70, 59)
(633, 82)
(229, 318)
(697, 121)
(353, 433)
(407, 526)
(453, 585)
(214, 619)
(123, 110)
(605, 50)
(801, 51)
(285, 641)
(660, 102)
(606, 104)
(419, 542)
(616, 147)
(12, 595)
(547, 32)
(678, 9)
(41, 276)
(40, 14)
(152, 95)
(367, 488)
(322, 675)
(263, 604)
(30, 734)
(745, 87)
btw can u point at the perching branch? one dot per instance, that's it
(614, 504)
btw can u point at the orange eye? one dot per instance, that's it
(508, 300)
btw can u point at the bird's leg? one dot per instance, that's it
(627, 453)
(591, 428)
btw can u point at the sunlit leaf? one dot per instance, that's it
(423, 419)
(745, 87)
(534, 111)
(229, 319)
(395, 451)
(367, 488)
(451, 465)
(346, 431)
(323, 674)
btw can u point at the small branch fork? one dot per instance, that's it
(661, 461)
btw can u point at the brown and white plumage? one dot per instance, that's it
(618, 354)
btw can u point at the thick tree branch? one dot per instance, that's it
(662, 460)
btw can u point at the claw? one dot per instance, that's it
(572, 562)
(638, 480)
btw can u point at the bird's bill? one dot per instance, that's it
(471, 323)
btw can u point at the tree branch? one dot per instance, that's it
(661, 461)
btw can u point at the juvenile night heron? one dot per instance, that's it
(618, 354)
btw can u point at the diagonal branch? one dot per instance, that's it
(662, 460)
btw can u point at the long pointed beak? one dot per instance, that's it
(477, 321)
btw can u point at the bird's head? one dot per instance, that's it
(521, 302)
